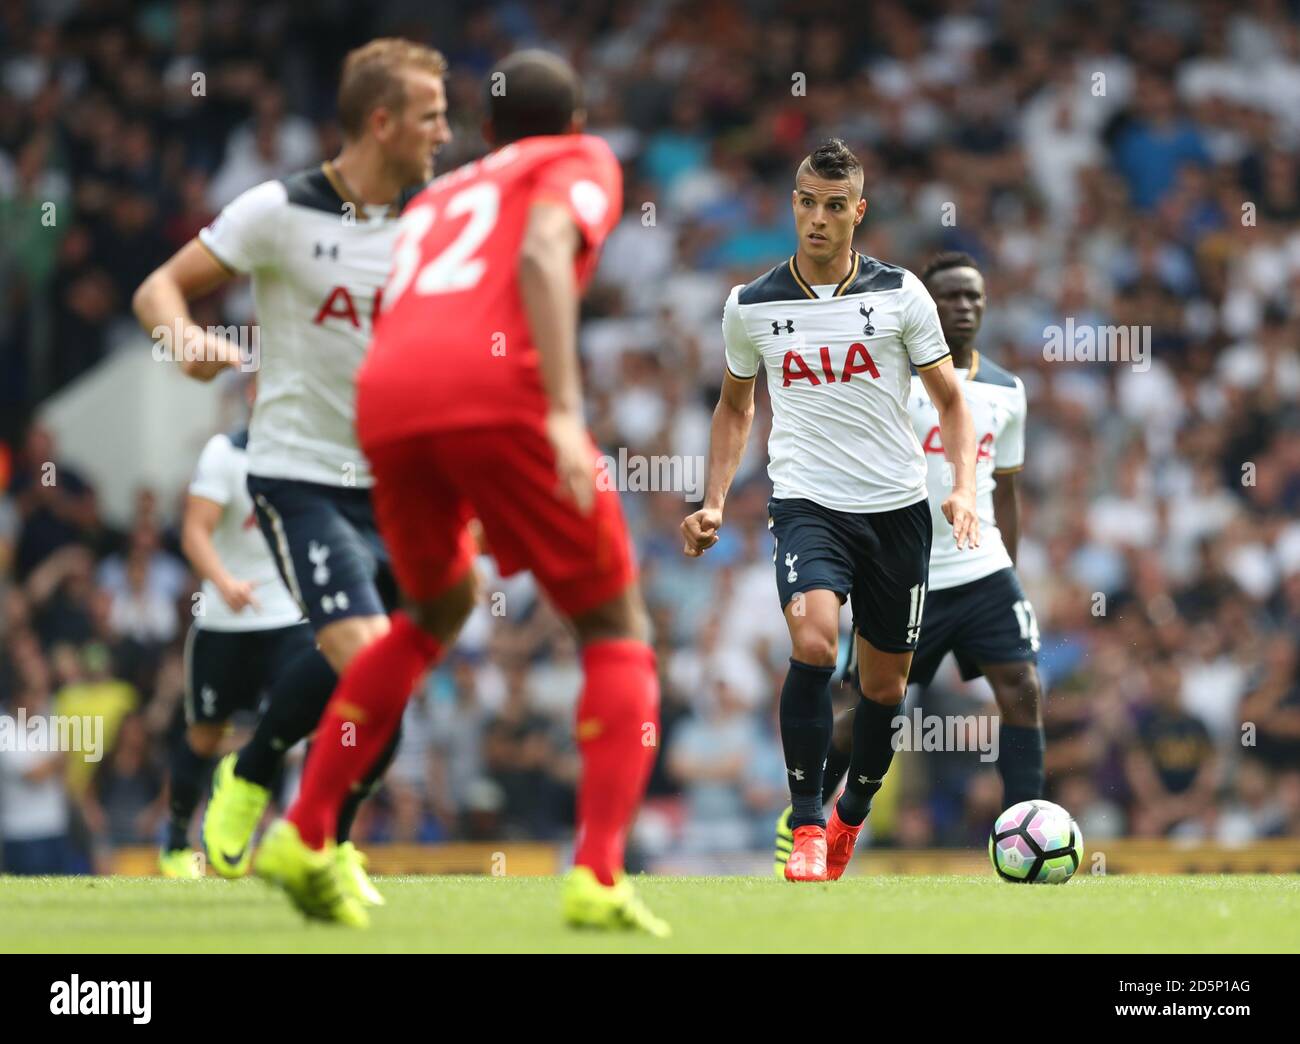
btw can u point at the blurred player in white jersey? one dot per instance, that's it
(837, 333)
(318, 248)
(976, 608)
(247, 632)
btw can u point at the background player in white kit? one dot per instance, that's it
(837, 333)
(976, 608)
(247, 631)
(318, 247)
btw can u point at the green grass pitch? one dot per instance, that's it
(1210, 913)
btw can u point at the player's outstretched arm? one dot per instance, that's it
(732, 420)
(200, 522)
(161, 305)
(957, 430)
(549, 289)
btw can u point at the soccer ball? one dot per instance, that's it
(1036, 842)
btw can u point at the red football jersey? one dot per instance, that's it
(452, 347)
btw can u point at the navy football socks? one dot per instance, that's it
(806, 719)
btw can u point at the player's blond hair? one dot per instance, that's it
(372, 78)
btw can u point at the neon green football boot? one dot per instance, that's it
(352, 871)
(233, 812)
(311, 879)
(784, 841)
(183, 864)
(589, 904)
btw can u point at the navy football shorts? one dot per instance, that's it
(327, 548)
(230, 671)
(880, 561)
(986, 621)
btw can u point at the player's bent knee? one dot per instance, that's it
(443, 616)
(888, 692)
(623, 616)
(1022, 708)
(816, 651)
(340, 641)
(1018, 693)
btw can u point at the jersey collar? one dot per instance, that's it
(840, 287)
(341, 190)
(345, 195)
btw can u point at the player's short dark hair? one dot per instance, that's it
(531, 92)
(833, 160)
(372, 78)
(948, 259)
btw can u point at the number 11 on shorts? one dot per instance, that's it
(914, 614)
(1028, 622)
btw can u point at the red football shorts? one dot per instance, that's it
(429, 486)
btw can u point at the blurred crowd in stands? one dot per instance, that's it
(1105, 164)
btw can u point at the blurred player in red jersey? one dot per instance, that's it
(470, 405)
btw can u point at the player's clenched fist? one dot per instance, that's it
(959, 510)
(700, 531)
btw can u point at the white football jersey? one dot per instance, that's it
(318, 261)
(221, 477)
(998, 409)
(838, 360)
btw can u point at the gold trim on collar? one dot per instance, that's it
(840, 287)
(794, 271)
(848, 280)
(341, 189)
(974, 365)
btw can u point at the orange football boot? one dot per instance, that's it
(840, 839)
(808, 857)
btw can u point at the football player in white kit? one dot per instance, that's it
(318, 248)
(976, 608)
(247, 631)
(837, 334)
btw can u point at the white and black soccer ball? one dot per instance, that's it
(1036, 842)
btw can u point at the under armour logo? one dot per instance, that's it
(209, 697)
(776, 326)
(321, 250)
(317, 554)
(797, 773)
(866, 314)
(863, 780)
(791, 576)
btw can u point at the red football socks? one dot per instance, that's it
(618, 736)
(360, 719)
